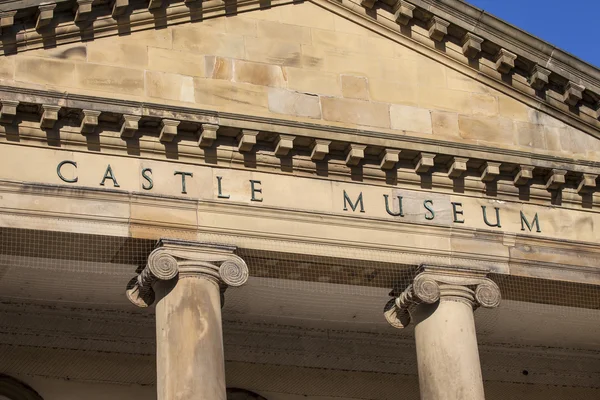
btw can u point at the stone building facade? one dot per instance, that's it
(282, 200)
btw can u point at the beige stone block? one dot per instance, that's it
(258, 74)
(530, 135)
(338, 42)
(355, 87)
(311, 81)
(495, 130)
(169, 86)
(109, 79)
(129, 55)
(264, 14)
(218, 68)
(552, 137)
(342, 64)
(411, 119)
(177, 62)
(575, 141)
(356, 112)
(341, 24)
(457, 81)
(224, 93)
(484, 104)
(311, 57)
(448, 100)
(392, 92)
(240, 26)
(429, 73)
(72, 51)
(513, 109)
(44, 71)
(7, 67)
(204, 41)
(162, 38)
(289, 102)
(541, 118)
(444, 123)
(285, 32)
(272, 51)
(307, 14)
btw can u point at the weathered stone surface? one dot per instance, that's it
(178, 62)
(356, 112)
(44, 71)
(313, 82)
(411, 119)
(444, 123)
(109, 79)
(119, 54)
(169, 86)
(283, 101)
(258, 74)
(355, 87)
(498, 130)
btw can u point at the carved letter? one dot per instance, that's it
(427, 204)
(183, 175)
(355, 205)
(221, 195)
(148, 178)
(108, 174)
(73, 163)
(535, 222)
(254, 190)
(387, 207)
(497, 224)
(456, 213)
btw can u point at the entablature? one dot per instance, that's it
(207, 137)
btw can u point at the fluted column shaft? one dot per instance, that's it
(440, 302)
(186, 279)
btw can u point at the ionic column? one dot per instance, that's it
(441, 301)
(187, 280)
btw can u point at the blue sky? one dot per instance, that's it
(569, 25)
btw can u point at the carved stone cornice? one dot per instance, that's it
(434, 284)
(181, 258)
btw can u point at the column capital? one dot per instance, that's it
(182, 258)
(433, 284)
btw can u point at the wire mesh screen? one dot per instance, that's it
(308, 324)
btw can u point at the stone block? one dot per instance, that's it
(530, 135)
(258, 74)
(273, 51)
(109, 79)
(357, 112)
(239, 25)
(203, 41)
(169, 86)
(411, 119)
(355, 87)
(587, 184)
(177, 62)
(483, 104)
(457, 167)
(284, 32)
(513, 109)
(490, 171)
(218, 68)
(283, 101)
(495, 130)
(447, 100)
(221, 93)
(310, 14)
(44, 71)
(311, 81)
(393, 92)
(119, 54)
(7, 68)
(444, 123)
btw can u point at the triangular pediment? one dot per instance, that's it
(318, 62)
